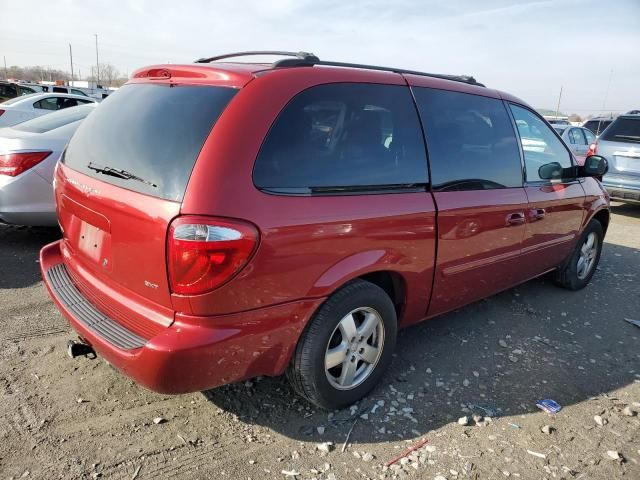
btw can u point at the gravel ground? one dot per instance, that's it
(81, 419)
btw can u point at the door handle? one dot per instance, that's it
(516, 218)
(537, 213)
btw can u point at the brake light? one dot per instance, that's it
(593, 148)
(13, 164)
(205, 252)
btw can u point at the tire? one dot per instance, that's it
(370, 310)
(572, 275)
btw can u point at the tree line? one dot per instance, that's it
(109, 76)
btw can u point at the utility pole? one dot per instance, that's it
(558, 107)
(97, 62)
(6, 72)
(71, 59)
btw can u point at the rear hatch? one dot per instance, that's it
(119, 185)
(620, 145)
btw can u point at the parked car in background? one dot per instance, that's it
(558, 121)
(28, 155)
(256, 219)
(597, 125)
(21, 109)
(577, 139)
(9, 90)
(620, 145)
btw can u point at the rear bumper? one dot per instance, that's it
(27, 200)
(193, 353)
(622, 188)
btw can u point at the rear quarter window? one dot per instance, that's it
(154, 132)
(344, 137)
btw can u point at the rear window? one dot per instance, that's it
(597, 126)
(55, 120)
(623, 130)
(344, 138)
(151, 132)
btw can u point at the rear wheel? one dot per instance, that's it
(577, 272)
(346, 347)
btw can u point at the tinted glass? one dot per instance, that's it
(338, 136)
(539, 144)
(8, 90)
(154, 132)
(590, 136)
(623, 130)
(470, 141)
(50, 103)
(55, 120)
(597, 126)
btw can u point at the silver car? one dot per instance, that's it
(620, 145)
(28, 155)
(578, 139)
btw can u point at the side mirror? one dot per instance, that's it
(550, 171)
(594, 166)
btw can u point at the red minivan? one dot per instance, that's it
(227, 220)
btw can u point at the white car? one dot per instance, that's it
(577, 139)
(26, 107)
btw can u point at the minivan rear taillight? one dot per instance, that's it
(13, 164)
(205, 252)
(593, 148)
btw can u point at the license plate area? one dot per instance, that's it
(95, 244)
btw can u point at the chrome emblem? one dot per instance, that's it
(82, 187)
(105, 262)
(149, 284)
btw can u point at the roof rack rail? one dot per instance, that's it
(300, 58)
(305, 59)
(456, 78)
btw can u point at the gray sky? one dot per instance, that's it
(527, 48)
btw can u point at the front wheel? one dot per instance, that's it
(577, 272)
(346, 347)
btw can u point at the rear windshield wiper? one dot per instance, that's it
(118, 173)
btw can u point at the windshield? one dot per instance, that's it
(56, 119)
(153, 132)
(625, 130)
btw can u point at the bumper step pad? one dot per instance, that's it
(85, 313)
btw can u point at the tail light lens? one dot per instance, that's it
(206, 252)
(13, 164)
(593, 148)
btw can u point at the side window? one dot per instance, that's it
(59, 90)
(8, 91)
(337, 137)
(26, 90)
(78, 92)
(470, 141)
(576, 137)
(539, 143)
(83, 102)
(66, 103)
(590, 136)
(49, 103)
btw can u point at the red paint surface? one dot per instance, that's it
(308, 247)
